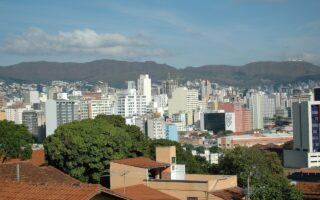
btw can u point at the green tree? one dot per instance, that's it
(188, 147)
(275, 187)
(196, 165)
(200, 149)
(267, 175)
(84, 149)
(214, 149)
(15, 141)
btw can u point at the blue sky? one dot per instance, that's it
(180, 33)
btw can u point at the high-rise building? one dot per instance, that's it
(161, 100)
(131, 85)
(183, 100)
(317, 94)
(14, 114)
(171, 132)
(206, 89)
(269, 106)
(92, 108)
(31, 97)
(168, 86)
(256, 105)
(217, 121)
(156, 128)
(306, 136)
(59, 112)
(35, 122)
(129, 104)
(144, 87)
(243, 118)
(2, 102)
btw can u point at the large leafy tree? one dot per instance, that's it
(15, 141)
(264, 169)
(85, 148)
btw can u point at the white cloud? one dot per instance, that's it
(38, 42)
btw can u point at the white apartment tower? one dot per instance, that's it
(144, 87)
(256, 105)
(306, 136)
(128, 104)
(156, 128)
(92, 108)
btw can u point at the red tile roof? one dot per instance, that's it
(141, 162)
(31, 191)
(34, 174)
(234, 193)
(37, 157)
(315, 170)
(309, 189)
(142, 192)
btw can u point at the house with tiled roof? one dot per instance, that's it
(170, 178)
(142, 192)
(26, 181)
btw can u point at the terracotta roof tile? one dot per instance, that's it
(142, 192)
(234, 193)
(315, 170)
(34, 174)
(37, 157)
(141, 162)
(309, 188)
(27, 191)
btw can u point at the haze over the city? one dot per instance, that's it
(179, 33)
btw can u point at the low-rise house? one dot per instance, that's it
(167, 176)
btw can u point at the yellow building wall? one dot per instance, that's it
(2, 115)
(165, 154)
(134, 176)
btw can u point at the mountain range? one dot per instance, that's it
(117, 72)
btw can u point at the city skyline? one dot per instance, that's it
(180, 34)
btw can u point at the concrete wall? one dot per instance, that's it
(134, 176)
(2, 115)
(165, 154)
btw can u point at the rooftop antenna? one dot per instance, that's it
(124, 180)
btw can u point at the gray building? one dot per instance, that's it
(35, 122)
(59, 112)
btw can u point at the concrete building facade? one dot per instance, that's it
(306, 140)
(59, 112)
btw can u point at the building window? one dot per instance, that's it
(192, 198)
(173, 160)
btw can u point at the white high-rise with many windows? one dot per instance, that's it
(128, 104)
(306, 136)
(144, 87)
(256, 105)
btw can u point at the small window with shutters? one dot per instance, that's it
(173, 160)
